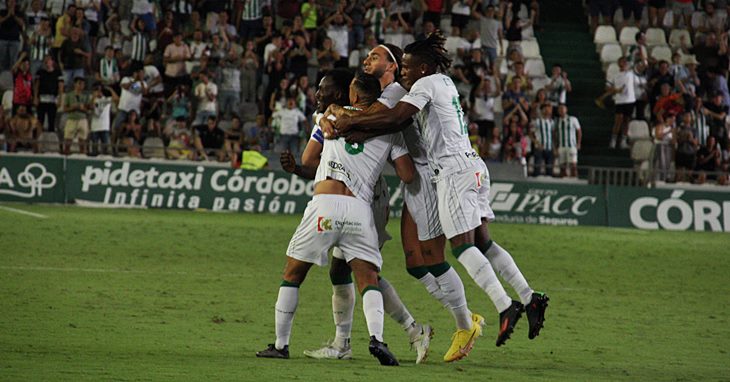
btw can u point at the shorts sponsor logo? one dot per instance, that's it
(28, 183)
(324, 224)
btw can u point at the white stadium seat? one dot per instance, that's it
(612, 71)
(698, 20)
(540, 83)
(628, 35)
(638, 130)
(604, 34)
(530, 48)
(535, 67)
(153, 147)
(655, 36)
(610, 53)
(661, 53)
(641, 150)
(48, 142)
(675, 38)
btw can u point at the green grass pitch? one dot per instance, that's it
(151, 295)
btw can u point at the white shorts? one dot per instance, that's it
(336, 220)
(422, 201)
(485, 209)
(458, 201)
(568, 155)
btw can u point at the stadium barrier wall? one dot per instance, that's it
(122, 183)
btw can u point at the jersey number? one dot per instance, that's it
(459, 114)
(354, 148)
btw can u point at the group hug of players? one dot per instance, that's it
(401, 108)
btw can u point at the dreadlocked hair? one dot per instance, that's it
(431, 51)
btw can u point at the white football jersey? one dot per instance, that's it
(359, 165)
(390, 97)
(441, 123)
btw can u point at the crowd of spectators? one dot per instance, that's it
(679, 85)
(209, 79)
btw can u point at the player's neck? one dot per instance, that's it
(386, 79)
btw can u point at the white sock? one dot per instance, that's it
(343, 307)
(505, 265)
(372, 306)
(286, 306)
(482, 273)
(432, 286)
(454, 298)
(394, 306)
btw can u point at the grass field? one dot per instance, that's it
(107, 295)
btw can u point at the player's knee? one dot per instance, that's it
(340, 272)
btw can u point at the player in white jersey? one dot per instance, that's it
(459, 175)
(421, 233)
(334, 89)
(339, 215)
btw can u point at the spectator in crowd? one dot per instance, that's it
(174, 58)
(632, 11)
(481, 112)
(180, 139)
(668, 102)
(41, 40)
(76, 105)
(12, 26)
(494, 146)
(101, 118)
(699, 121)
(657, 10)
(717, 111)
(514, 144)
(230, 80)
(134, 135)
(22, 84)
(686, 147)
(338, 28)
(258, 134)
(209, 139)
(514, 96)
(206, 93)
(234, 138)
(491, 33)
(108, 73)
(623, 88)
(559, 86)
(541, 135)
(375, 19)
(133, 88)
(664, 136)
(709, 158)
(568, 136)
(24, 130)
(46, 91)
(289, 120)
(74, 53)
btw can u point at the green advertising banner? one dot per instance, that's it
(35, 179)
(548, 203)
(668, 209)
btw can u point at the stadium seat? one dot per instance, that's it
(641, 151)
(540, 82)
(610, 53)
(530, 48)
(535, 67)
(656, 37)
(153, 147)
(48, 142)
(668, 21)
(675, 38)
(605, 34)
(618, 17)
(524, 13)
(612, 71)
(498, 105)
(628, 35)
(505, 44)
(661, 53)
(639, 130)
(698, 20)
(528, 33)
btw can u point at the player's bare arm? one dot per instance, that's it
(386, 122)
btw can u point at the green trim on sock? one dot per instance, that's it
(460, 249)
(285, 283)
(341, 279)
(439, 269)
(489, 245)
(368, 288)
(417, 272)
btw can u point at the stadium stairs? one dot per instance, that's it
(565, 38)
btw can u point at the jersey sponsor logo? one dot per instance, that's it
(471, 154)
(338, 167)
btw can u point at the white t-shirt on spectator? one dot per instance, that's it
(339, 36)
(140, 7)
(131, 99)
(626, 80)
(150, 73)
(100, 118)
(202, 91)
(268, 49)
(289, 120)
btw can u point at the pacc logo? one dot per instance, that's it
(541, 201)
(31, 181)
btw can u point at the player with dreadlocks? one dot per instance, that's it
(462, 183)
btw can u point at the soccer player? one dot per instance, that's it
(334, 89)
(461, 179)
(421, 233)
(339, 215)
